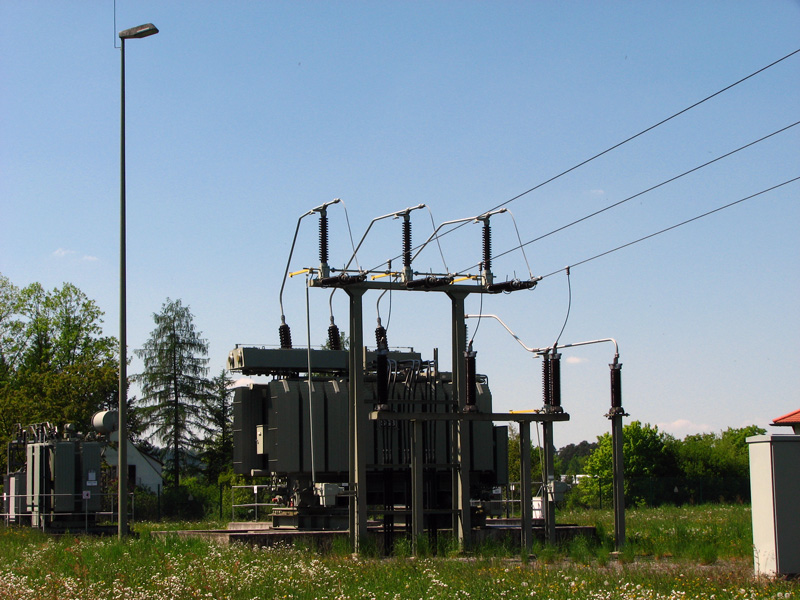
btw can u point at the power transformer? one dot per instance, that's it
(294, 429)
(55, 478)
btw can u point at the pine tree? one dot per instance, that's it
(218, 446)
(174, 385)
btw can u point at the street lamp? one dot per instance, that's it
(122, 430)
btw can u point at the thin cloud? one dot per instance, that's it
(576, 360)
(62, 252)
(683, 427)
(90, 258)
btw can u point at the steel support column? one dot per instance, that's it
(417, 488)
(548, 505)
(462, 522)
(526, 494)
(358, 422)
(617, 440)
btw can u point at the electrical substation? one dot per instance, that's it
(368, 440)
(382, 442)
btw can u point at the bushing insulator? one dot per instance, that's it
(285, 335)
(323, 238)
(380, 338)
(546, 397)
(555, 380)
(487, 246)
(406, 242)
(334, 337)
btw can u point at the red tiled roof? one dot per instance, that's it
(793, 418)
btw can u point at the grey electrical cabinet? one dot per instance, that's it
(775, 492)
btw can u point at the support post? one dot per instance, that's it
(462, 521)
(525, 482)
(548, 505)
(617, 442)
(358, 422)
(417, 488)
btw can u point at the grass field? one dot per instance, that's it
(674, 553)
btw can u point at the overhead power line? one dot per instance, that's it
(682, 223)
(625, 141)
(633, 137)
(638, 194)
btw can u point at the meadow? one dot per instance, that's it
(673, 553)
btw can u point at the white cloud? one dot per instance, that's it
(90, 258)
(576, 360)
(61, 253)
(682, 427)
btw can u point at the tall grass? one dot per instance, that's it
(701, 533)
(34, 566)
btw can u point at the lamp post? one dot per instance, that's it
(122, 430)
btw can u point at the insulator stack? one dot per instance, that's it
(616, 385)
(285, 335)
(487, 246)
(406, 242)
(380, 338)
(334, 337)
(323, 238)
(546, 391)
(555, 380)
(472, 384)
(383, 378)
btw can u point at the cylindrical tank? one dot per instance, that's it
(105, 421)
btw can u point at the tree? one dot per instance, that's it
(571, 458)
(218, 445)
(174, 385)
(647, 453)
(55, 364)
(715, 465)
(514, 458)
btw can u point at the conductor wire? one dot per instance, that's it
(650, 189)
(687, 221)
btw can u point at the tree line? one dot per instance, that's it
(658, 467)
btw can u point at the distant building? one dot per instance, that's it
(144, 470)
(791, 420)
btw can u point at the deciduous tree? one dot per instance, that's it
(55, 364)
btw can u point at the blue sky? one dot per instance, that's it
(243, 116)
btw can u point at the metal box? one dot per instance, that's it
(775, 492)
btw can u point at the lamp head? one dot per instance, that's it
(138, 32)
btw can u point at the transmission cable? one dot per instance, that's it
(647, 237)
(650, 189)
(633, 137)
